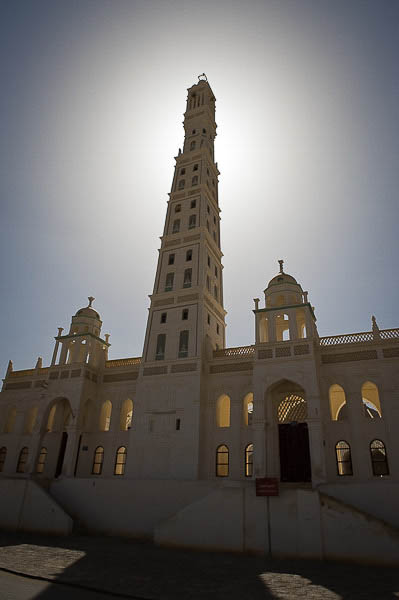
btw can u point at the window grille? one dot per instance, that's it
(41, 461)
(120, 461)
(98, 460)
(379, 460)
(249, 455)
(292, 408)
(222, 461)
(344, 458)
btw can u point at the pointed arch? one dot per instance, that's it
(343, 457)
(30, 420)
(249, 460)
(10, 421)
(22, 460)
(120, 461)
(371, 400)
(222, 461)
(105, 416)
(223, 411)
(126, 418)
(379, 459)
(248, 408)
(337, 399)
(98, 460)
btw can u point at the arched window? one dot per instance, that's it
(12, 415)
(41, 461)
(126, 414)
(51, 417)
(248, 408)
(292, 408)
(22, 460)
(282, 327)
(98, 460)
(344, 458)
(223, 411)
(105, 416)
(120, 461)
(3, 456)
(222, 461)
(337, 402)
(371, 400)
(379, 460)
(249, 464)
(30, 420)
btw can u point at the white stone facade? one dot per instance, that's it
(180, 434)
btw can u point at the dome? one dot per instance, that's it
(88, 311)
(282, 278)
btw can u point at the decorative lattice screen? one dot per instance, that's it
(292, 408)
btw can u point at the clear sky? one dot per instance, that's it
(91, 109)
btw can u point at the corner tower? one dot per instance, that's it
(187, 301)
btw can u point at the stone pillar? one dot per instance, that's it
(57, 343)
(293, 328)
(272, 326)
(317, 451)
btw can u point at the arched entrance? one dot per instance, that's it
(293, 437)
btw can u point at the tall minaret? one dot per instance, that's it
(187, 301)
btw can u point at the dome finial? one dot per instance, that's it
(281, 263)
(90, 299)
(202, 77)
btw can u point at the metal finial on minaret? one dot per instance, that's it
(202, 77)
(281, 263)
(90, 299)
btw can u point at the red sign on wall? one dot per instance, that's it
(267, 486)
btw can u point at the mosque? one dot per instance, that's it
(288, 446)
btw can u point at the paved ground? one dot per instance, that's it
(134, 569)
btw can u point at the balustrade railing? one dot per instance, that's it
(357, 338)
(239, 351)
(122, 362)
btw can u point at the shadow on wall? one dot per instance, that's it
(142, 570)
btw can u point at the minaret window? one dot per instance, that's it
(171, 260)
(193, 204)
(214, 220)
(208, 209)
(182, 183)
(178, 208)
(217, 328)
(209, 261)
(22, 460)
(160, 350)
(215, 292)
(184, 314)
(169, 282)
(216, 272)
(189, 255)
(187, 278)
(183, 344)
(192, 221)
(209, 319)
(192, 146)
(176, 226)
(163, 318)
(194, 180)
(208, 283)
(195, 167)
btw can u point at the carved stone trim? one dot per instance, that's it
(155, 370)
(183, 368)
(112, 378)
(349, 356)
(231, 368)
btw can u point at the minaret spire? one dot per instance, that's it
(187, 301)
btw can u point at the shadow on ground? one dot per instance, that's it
(138, 569)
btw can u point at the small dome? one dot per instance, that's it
(87, 311)
(282, 278)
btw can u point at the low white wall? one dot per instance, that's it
(349, 534)
(26, 506)
(379, 498)
(125, 506)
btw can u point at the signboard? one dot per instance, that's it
(267, 486)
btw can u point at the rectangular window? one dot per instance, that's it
(184, 314)
(214, 220)
(209, 319)
(163, 318)
(209, 261)
(176, 226)
(178, 208)
(189, 255)
(177, 424)
(193, 204)
(208, 209)
(195, 168)
(187, 278)
(183, 344)
(182, 171)
(217, 328)
(192, 221)
(169, 282)
(171, 260)
(160, 351)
